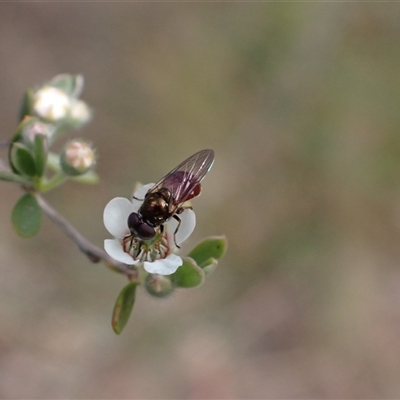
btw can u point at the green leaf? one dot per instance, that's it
(16, 138)
(53, 162)
(10, 177)
(26, 216)
(31, 135)
(21, 159)
(210, 266)
(26, 106)
(210, 248)
(89, 178)
(123, 307)
(188, 275)
(40, 153)
(23, 126)
(72, 85)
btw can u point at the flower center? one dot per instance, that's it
(146, 250)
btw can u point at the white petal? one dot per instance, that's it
(51, 103)
(114, 249)
(188, 223)
(166, 266)
(80, 111)
(140, 194)
(116, 215)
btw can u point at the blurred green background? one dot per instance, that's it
(300, 102)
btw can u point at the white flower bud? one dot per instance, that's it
(77, 158)
(51, 103)
(37, 128)
(80, 112)
(159, 285)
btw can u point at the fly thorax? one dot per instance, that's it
(155, 209)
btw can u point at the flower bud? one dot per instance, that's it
(80, 112)
(51, 104)
(34, 127)
(77, 158)
(158, 285)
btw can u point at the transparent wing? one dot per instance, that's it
(184, 179)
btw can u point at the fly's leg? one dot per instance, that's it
(177, 229)
(129, 238)
(180, 210)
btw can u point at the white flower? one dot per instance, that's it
(51, 103)
(80, 111)
(157, 254)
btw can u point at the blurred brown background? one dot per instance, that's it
(300, 102)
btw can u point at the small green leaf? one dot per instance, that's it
(123, 307)
(21, 159)
(24, 124)
(72, 85)
(26, 106)
(16, 138)
(26, 216)
(10, 177)
(89, 178)
(40, 153)
(213, 247)
(210, 266)
(53, 162)
(188, 275)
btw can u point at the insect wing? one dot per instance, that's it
(183, 180)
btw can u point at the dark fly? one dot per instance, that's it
(166, 198)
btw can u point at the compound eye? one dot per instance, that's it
(133, 222)
(145, 231)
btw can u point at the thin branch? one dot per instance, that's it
(93, 252)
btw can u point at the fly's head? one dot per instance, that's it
(139, 228)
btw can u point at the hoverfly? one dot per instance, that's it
(166, 198)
